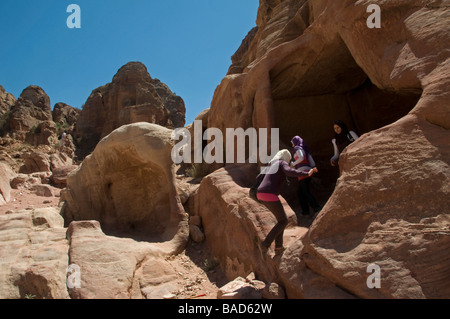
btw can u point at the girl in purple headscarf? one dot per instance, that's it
(305, 162)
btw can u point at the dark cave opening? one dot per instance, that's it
(363, 109)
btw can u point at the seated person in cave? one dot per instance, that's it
(342, 138)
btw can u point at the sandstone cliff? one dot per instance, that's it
(6, 101)
(65, 115)
(310, 62)
(31, 120)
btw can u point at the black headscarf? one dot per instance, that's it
(342, 140)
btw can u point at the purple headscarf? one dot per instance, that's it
(299, 143)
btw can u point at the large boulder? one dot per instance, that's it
(128, 185)
(41, 259)
(383, 212)
(59, 175)
(117, 268)
(40, 161)
(132, 96)
(234, 223)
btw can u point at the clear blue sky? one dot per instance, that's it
(187, 44)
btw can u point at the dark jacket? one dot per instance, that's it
(272, 183)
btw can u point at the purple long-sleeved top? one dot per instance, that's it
(273, 182)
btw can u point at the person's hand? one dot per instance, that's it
(313, 171)
(333, 162)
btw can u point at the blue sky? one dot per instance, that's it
(187, 44)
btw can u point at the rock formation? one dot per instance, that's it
(6, 174)
(311, 62)
(121, 269)
(42, 259)
(65, 115)
(132, 96)
(296, 72)
(128, 185)
(6, 101)
(30, 118)
(42, 162)
(234, 223)
(34, 255)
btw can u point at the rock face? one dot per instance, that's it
(242, 288)
(383, 212)
(6, 175)
(132, 96)
(30, 118)
(116, 268)
(234, 223)
(65, 115)
(6, 101)
(41, 162)
(296, 72)
(40, 259)
(311, 62)
(59, 175)
(34, 254)
(128, 185)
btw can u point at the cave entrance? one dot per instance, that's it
(364, 109)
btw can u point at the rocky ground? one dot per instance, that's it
(27, 199)
(199, 276)
(198, 273)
